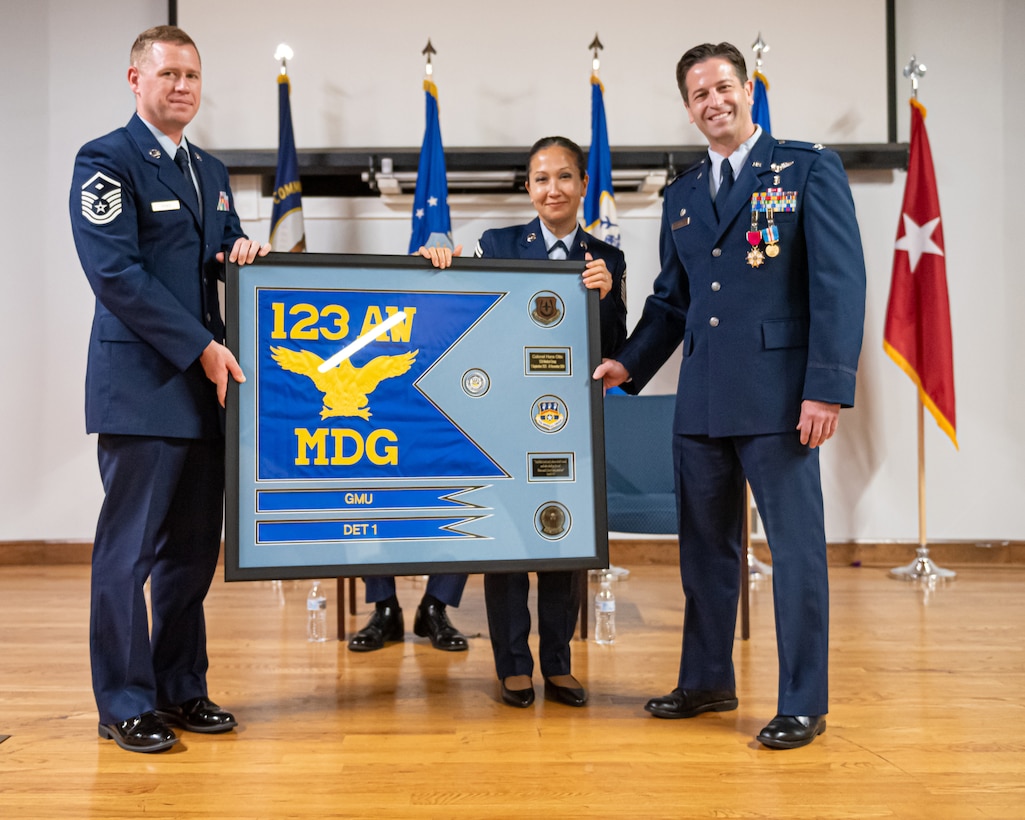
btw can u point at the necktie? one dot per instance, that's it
(558, 250)
(181, 159)
(725, 184)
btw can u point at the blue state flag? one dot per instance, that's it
(432, 225)
(760, 109)
(600, 204)
(287, 233)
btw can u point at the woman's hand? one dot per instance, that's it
(440, 257)
(596, 275)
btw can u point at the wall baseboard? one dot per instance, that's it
(19, 553)
(888, 554)
(625, 552)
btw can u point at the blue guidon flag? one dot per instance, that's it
(760, 109)
(432, 225)
(287, 233)
(600, 204)
(336, 405)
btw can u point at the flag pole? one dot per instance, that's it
(287, 230)
(431, 219)
(757, 569)
(760, 91)
(922, 568)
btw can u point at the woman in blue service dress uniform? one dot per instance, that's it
(557, 182)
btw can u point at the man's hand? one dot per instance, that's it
(596, 275)
(441, 258)
(611, 372)
(245, 251)
(818, 422)
(218, 363)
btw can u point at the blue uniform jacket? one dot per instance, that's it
(756, 340)
(526, 242)
(150, 261)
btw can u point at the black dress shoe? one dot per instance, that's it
(521, 698)
(142, 733)
(791, 731)
(199, 715)
(686, 703)
(432, 622)
(386, 624)
(570, 695)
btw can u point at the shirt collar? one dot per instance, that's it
(736, 159)
(550, 238)
(165, 141)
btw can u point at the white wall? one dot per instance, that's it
(76, 90)
(356, 75)
(65, 61)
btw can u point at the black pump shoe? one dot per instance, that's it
(520, 698)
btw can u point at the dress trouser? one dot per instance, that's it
(785, 481)
(447, 588)
(558, 602)
(160, 520)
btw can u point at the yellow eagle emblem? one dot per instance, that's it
(346, 388)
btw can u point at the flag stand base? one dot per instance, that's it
(922, 569)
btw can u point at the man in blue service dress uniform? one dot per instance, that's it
(153, 217)
(763, 282)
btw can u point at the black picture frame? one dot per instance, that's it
(485, 454)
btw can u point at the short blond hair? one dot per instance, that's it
(158, 34)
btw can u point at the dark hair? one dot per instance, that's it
(707, 51)
(562, 142)
(158, 34)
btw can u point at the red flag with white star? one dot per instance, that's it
(917, 334)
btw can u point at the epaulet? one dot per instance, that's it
(806, 146)
(600, 243)
(687, 171)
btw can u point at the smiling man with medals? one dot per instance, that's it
(763, 283)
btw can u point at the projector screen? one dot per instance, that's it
(507, 75)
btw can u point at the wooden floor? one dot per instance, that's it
(927, 720)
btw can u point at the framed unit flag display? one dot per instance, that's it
(397, 419)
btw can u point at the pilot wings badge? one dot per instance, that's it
(346, 388)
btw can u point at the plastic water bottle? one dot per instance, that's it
(316, 614)
(605, 612)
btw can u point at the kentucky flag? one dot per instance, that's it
(600, 203)
(432, 226)
(760, 109)
(287, 232)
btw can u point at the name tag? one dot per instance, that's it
(680, 223)
(166, 205)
